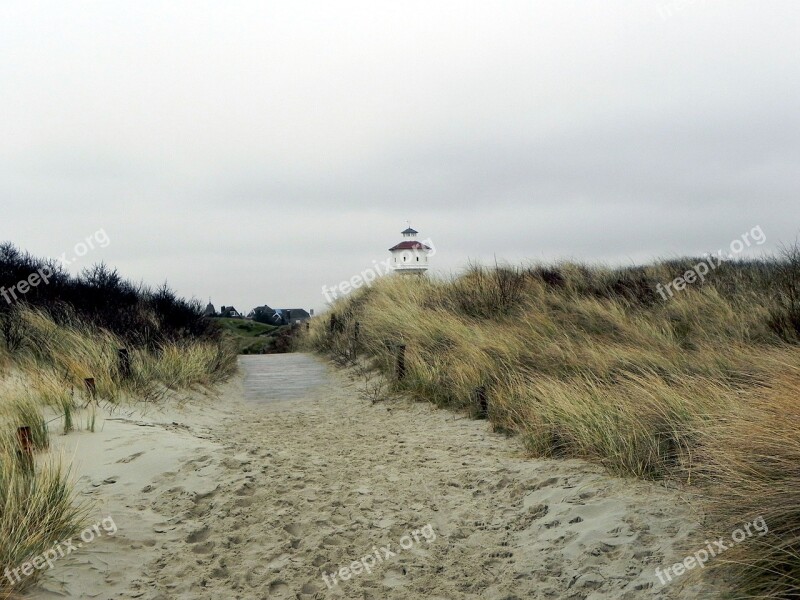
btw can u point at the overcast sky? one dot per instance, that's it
(252, 152)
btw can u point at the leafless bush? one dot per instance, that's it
(375, 388)
(785, 317)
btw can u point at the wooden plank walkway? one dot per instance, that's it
(276, 377)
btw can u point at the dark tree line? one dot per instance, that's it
(141, 315)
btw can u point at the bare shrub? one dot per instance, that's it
(785, 316)
(375, 388)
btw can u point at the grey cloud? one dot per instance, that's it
(255, 151)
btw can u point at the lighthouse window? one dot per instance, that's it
(418, 259)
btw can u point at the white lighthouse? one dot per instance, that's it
(410, 256)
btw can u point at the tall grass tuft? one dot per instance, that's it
(37, 509)
(750, 464)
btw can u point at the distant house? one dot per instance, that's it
(229, 312)
(292, 316)
(263, 314)
(279, 316)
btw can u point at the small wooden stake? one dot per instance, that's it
(401, 362)
(483, 402)
(356, 331)
(25, 439)
(90, 386)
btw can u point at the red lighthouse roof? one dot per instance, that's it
(410, 245)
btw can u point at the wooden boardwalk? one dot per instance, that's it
(275, 377)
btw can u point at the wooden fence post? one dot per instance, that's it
(356, 331)
(482, 401)
(25, 439)
(401, 361)
(91, 387)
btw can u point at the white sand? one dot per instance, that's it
(222, 499)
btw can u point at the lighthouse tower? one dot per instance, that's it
(410, 256)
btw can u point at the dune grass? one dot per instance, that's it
(699, 388)
(54, 339)
(37, 509)
(42, 378)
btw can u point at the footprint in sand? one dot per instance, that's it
(604, 549)
(203, 548)
(546, 483)
(395, 577)
(278, 588)
(198, 464)
(201, 535)
(333, 540)
(294, 530)
(130, 458)
(220, 573)
(107, 481)
(552, 524)
(248, 489)
(310, 588)
(202, 504)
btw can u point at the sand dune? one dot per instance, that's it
(221, 498)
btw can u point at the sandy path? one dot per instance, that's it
(259, 501)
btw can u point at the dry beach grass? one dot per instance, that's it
(42, 387)
(698, 389)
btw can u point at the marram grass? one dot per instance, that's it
(700, 389)
(45, 375)
(37, 509)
